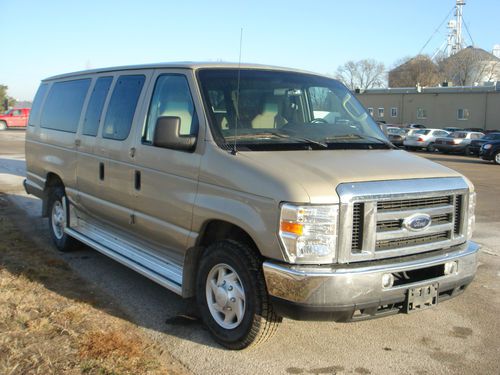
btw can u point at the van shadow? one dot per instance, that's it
(86, 276)
(16, 167)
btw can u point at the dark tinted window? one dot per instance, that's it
(492, 136)
(64, 104)
(122, 106)
(37, 104)
(94, 110)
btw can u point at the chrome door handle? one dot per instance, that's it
(132, 152)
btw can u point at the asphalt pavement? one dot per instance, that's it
(460, 336)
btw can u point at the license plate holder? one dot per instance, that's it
(421, 298)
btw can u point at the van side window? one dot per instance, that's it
(63, 106)
(37, 104)
(171, 97)
(96, 104)
(122, 105)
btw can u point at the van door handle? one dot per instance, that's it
(137, 180)
(101, 171)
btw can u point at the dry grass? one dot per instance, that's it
(52, 322)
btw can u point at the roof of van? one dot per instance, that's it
(180, 65)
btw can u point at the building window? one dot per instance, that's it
(394, 112)
(463, 114)
(421, 113)
(381, 112)
(370, 111)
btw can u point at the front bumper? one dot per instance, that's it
(411, 143)
(486, 154)
(450, 148)
(348, 292)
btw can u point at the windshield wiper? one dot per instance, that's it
(285, 136)
(365, 137)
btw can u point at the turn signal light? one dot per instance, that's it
(294, 228)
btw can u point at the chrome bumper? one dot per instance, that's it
(344, 291)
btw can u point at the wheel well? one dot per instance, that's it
(52, 180)
(218, 230)
(213, 231)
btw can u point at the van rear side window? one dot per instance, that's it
(96, 104)
(122, 105)
(37, 104)
(63, 106)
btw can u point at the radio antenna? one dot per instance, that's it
(234, 151)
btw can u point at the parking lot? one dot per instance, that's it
(461, 336)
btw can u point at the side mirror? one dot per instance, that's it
(167, 135)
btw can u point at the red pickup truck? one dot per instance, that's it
(15, 118)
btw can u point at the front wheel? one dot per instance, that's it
(496, 158)
(232, 297)
(58, 220)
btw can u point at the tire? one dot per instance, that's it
(431, 148)
(230, 279)
(57, 220)
(3, 126)
(496, 157)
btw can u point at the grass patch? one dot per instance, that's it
(53, 322)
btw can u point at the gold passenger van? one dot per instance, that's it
(263, 192)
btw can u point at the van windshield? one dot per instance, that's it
(266, 110)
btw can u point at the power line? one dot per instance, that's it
(468, 32)
(437, 29)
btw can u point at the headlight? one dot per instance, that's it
(309, 233)
(471, 218)
(487, 146)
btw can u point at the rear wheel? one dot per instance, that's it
(3, 125)
(57, 220)
(232, 296)
(431, 147)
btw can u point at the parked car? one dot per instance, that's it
(396, 135)
(479, 130)
(228, 184)
(423, 138)
(475, 144)
(416, 126)
(452, 129)
(14, 118)
(456, 142)
(490, 151)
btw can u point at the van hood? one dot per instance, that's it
(320, 171)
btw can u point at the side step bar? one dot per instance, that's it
(166, 274)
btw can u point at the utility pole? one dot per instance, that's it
(455, 42)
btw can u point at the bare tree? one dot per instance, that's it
(419, 70)
(363, 74)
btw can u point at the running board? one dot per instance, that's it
(166, 274)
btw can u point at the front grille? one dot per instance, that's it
(458, 214)
(389, 225)
(357, 226)
(411, 241)
(410, 204)
(380, 219)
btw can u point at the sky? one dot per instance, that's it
(42, 38)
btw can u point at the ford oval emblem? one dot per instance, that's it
(417, 222)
